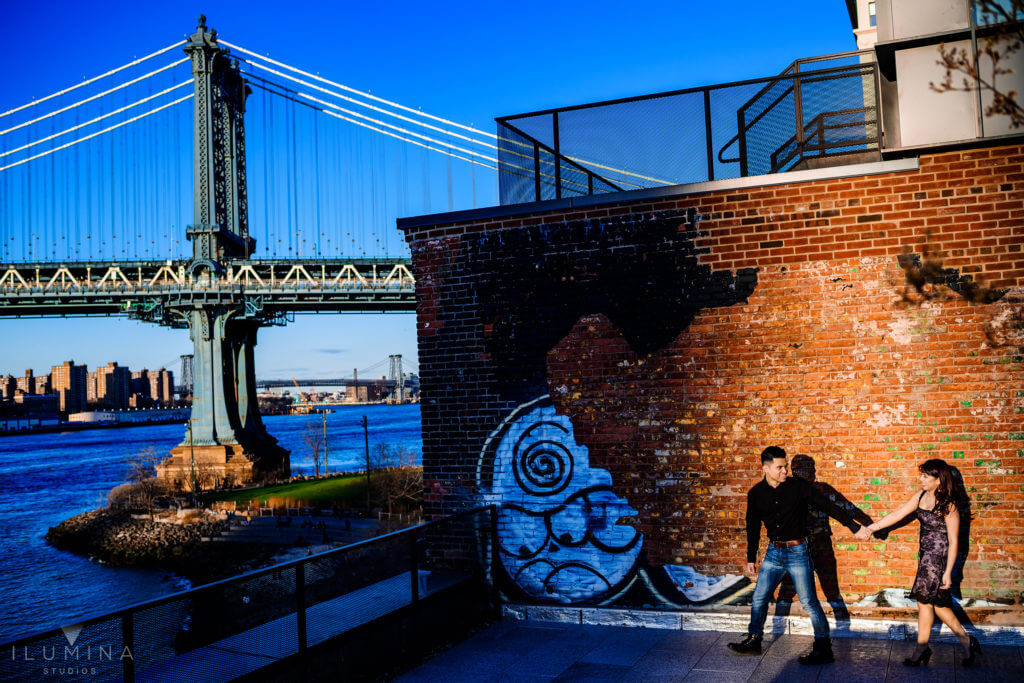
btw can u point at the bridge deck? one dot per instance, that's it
(149, 289)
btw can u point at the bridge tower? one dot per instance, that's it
(225, 437)
(397, 376)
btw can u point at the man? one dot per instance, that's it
(781, 502)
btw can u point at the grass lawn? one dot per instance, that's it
(349, 489)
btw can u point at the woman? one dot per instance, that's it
(936, 509)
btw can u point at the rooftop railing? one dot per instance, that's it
(270, 617)
(819, 111)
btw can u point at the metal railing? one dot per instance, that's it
(685, 136)
(239, 625)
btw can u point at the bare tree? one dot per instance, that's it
(205, 475)
(396, 476)
(316, 440)
(999, 46)
(142, 475)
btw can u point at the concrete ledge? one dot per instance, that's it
(656, 193)
(857, 627)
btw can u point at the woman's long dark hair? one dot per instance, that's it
(950, 492)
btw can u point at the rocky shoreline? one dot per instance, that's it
(119, 540)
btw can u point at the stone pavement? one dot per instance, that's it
(512, 650)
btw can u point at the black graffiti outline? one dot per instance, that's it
(567, 472)
(588, 535)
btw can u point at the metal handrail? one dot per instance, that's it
(791, 79)
(796, 76)
(538, 145)
(126, 612)
(817, 124)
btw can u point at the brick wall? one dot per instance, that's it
(678, 337)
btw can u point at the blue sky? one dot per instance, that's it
(467, 61)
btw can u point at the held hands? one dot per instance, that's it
(864, 533)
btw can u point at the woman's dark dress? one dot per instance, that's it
(932, 564)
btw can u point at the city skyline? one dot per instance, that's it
(458, 60)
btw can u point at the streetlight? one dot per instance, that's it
(324, 414)
(192, 460)
(366, 441)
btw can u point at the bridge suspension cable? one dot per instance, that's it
(490, 136)
(422, 114)
(99, 170)
(94, 97)
(360, 92)
(97, 133)
(349, 112)
(88, 81)
(307, 98)
(96, 120)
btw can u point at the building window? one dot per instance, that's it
(871, 14)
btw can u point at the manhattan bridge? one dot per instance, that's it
(293, 180)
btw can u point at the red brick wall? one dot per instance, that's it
(825, 357)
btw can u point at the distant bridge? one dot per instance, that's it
(338, 382)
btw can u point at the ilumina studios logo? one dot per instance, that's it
(75, 659)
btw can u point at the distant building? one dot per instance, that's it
(113, 386)
(69, 383)
(43, 385)
(42, 404)
(140, 394)
(8, 385)
(27, 383)
(130, 416)
(161, 385)
(90, 388)
(152, 387)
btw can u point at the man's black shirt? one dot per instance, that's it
(783, 510)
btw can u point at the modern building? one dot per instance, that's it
(69, 383)
(863, 17)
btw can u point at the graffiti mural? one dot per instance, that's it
(563, 535)
(558, 523)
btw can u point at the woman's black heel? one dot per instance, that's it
(973, 649)
(921, 660)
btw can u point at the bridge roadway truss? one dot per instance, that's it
(166, 292)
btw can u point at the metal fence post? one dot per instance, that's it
(414, 569)
(128, 641)
(741, 131)
(707, 134)
(879, 123)
(300, 611)
(536, 171)
(558, 156)
(414, 579)
(798, 110)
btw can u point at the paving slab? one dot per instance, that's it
(513, 650)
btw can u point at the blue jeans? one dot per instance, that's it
(796, 561)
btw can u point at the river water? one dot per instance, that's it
(47, 478)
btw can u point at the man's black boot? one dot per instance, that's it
(751, 645)
(821, 653)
